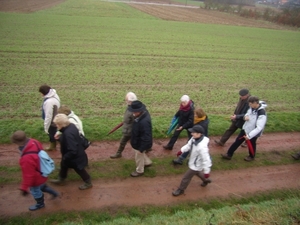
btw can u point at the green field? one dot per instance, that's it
(92, 53)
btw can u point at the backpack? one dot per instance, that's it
(84, 141)
(46, 163)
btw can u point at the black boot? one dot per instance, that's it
(39, 204)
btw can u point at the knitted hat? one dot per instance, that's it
(243, 92)
(185, 98)
(196, 129)
(137, 106)
(19, 138)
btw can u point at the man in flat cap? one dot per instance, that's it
(237, 120)
(141, 136)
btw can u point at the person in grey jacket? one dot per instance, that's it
(127, 125)
(141, 137)
(199, 162)
(50, 107)
(237, 119)
(255, 121)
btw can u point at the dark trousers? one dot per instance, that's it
(187, 177)
(175, 137)
(238, 141)
(52, 131)
(123, 142)
(230, 131)
(63, 173)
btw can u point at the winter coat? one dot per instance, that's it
(49, 109)
(73, 118)
(239, 119)
(257, 121)
(141, 136)
(185, 118)
(127, 123)
(199, 154)
(204, 124)
(72, 151)
(30, 165)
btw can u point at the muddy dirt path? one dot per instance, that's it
(157, 190)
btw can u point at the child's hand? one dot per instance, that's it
(179, 153)
(206, 175)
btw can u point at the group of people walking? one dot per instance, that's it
(61, 124)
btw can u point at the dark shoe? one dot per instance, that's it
(58, 181)
(248, 159)
(177, 161)
(85, 186)
(219, 143)
(206, 182)
(136, 174)
(177, 192)
(148, 165)
(39, 204)
(115, 156)
(296, 156)
(225, 156)
(166, 147)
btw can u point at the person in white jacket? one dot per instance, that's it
(199, 162)
(255, 121)
(50, 106)
(73, 118)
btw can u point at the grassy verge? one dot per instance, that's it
(274, 207)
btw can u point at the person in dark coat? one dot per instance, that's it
(200, 118)
(72, 151)
(185, 121)
(237, 119)
(32, 178)
(141, 137)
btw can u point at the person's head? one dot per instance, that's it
(199, 113)
(61, 120)
(19, 138)
(197, 131)
(64, 110)
(253, 102)
(244, 93)
(44, 89)
(130, 97)
(185, 99)
(137, 108)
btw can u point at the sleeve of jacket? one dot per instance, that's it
(72, 146)
(206, 160)
(243, 112)
(188, 146)
(260, 124)
(189, 123)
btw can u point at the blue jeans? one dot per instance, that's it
(36, 191)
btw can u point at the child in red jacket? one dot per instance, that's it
(32, 178)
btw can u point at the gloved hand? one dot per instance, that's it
(24, 193)
(206, 176)
(179, 153)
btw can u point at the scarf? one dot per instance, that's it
(185, 108)
(199, 119)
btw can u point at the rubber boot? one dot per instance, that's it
(117, 155)
(87, 184)
(51, 147)
(49, 190)
(39, 204)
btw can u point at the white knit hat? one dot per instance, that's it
(185, 98)
(131, 96)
